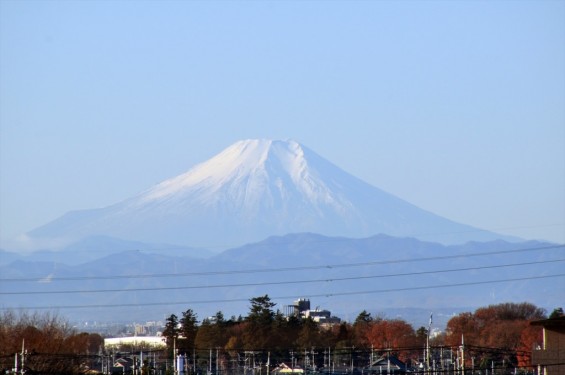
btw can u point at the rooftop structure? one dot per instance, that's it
(301, 308)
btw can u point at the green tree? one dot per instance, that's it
(361, 327)
(261, 310)
(171, 331)
(557, 313)
(309, 335)
(189, 329)
(287, 330)
(204, 337)
(422, 335)
(260, 319)
(364, 317)
(343, 334)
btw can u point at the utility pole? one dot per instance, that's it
(462, 354)
(428, 342)
(23, 356)
(313, 359)
(352, 350)
(292, 360)
(442, 363)
(451, 358)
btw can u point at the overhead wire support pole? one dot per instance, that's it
(23, 356)
(428, 343)
(462, 354)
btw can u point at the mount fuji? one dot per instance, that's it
(252, 190)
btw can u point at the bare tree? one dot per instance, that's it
(43, 343)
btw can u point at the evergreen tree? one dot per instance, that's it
(172, 330)
(260, 320)
(261, 310)
(189, 329)
(205, 335)
(557, 313)
(361, 327)
(309, 336)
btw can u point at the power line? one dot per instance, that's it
(311, 296)
(282, 269)
(280, 282)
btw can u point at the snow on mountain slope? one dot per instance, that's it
(246, 174)
(255, 189)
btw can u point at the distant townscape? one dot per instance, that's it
(499, 339)
(350, 279)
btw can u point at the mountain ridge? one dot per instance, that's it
(344, 275)
(254, 189)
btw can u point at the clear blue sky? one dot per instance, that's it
(455, 106)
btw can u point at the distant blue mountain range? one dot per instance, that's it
(124, 281)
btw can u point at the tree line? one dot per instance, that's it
(497, 334)
(44, 344)
(494, 334)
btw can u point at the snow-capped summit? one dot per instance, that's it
(250, 168)
(250, 174)
(254, 189)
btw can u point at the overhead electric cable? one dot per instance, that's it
(280, 282)
(281, 269)
(311, 296)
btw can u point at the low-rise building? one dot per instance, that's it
(322, 316)
(550, 357)
(301, 308)
(388, 364)
(136, 341)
